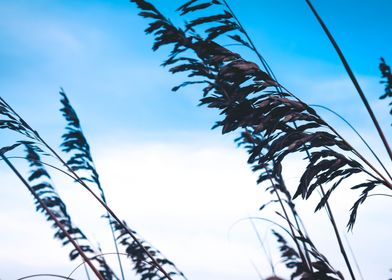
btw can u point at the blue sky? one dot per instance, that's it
(161, 141)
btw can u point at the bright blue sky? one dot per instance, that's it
(98, 52)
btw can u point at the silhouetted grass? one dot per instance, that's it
(272, 123)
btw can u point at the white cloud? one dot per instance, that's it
(183, 197)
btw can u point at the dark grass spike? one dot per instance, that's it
(277, 184)
(142, 265)
(269, 71)
(267, 68)
(269, 115)
(224, 22)
(366, 188)
(192, 6)
(322, 268)
(41, 184)
(386, 74)
(73, 174)
(294, 114)
(75, 141)
(289, 256)
(279, 89)
(353, 79)
(53, 217)
(229, 14)
(242, 66)
(103, 204)
(81, 159)
(10, 120)
(211, 100)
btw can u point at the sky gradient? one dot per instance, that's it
(179, 184)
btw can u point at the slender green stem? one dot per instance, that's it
(353, 79)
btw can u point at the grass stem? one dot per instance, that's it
(53, 217)
(353, 79)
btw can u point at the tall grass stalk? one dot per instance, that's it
(267, 118)
(278, 88)
(53, 217)
(270, 72)
(353, 79)
(74, 140)
(85, 186)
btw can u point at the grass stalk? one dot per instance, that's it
(328, 208)
(353, 78)
(53, 217)
(108, 209)
(333, 223)
(338, 237)
(116, 248)
(388, 184)
(269, 71)
(75, 127)
(81, 182)
(305, 258)
(354, 258)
